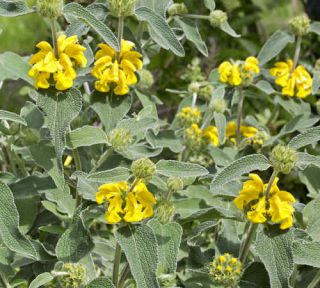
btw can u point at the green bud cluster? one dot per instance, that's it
(143, 169)
(300, 25)
(218, 17)
(146, 80)
(205, 92)
(120, 139)
(50, 8)
(177, 9)
(193, 72)
(165, 210)
(218, 105)
(225, 270)
(283, 158)
(175, 184)
(194, 87)
(167, 280)
(122, 8)
(75, 275)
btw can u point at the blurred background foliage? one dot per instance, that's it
(255, 20)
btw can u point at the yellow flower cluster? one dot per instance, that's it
(259, 209)
(246, 131)
(188, 116)
(195, 136)
(116, 70)
(240, 71)
(62, 66)
(293, 81)
(130, 205)
(226, 270)
(211, 133)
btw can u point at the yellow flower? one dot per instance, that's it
(116, 70)
(130, 206)
(277, 208)
(45, 63)
(240, 71)
(211, 133)
(294, 82)
(188, 116)
(246, 131)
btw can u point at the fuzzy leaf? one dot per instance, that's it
(85, 136)
(158, 6)
(162, 33)
(274, 45)
(108, 176)
(41, 279)
(305, 160)
(315, 82)
(315, 27)
(308, 137)
(239, 167)
(101, 282)
(168, 239)
(77, 11)
(14, 8)
(210, 4)
(221, 123)
(140, 247)
(225, 27)
(306, 253)
(10, 116)
(180, 169)
(275, 252)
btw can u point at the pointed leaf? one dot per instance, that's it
(180, 169)
(41, 279)
(308, 137)
(10, 116)
(86, 136)
(14, 8)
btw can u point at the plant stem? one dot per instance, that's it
(194, 99)
(294, 275)
(116, 265)
(297, 53)
(239, 116)
(120, 32)
(4, 281)
(77, 162)
(245, 246)
(124, 275)
(315, 280)
(102, 159)
(193, 16)
(54, 37)
(271, 180)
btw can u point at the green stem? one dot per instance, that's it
(245, 246)
(194, 99)
(271, 180)
(54, 37)
(297, 53)
(77, 162)
(140, 31)
(193, 16)
(124, 275)
(315, 280)
(294, 275)
(120, 33)
(4, 281)
(116, 265)
(274, 115)
(102, 159)
(239, 116)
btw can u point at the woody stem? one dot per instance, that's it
(54, 37)
(297, 53)
(116, 265)
(239, 116)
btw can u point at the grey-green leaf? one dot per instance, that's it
(113, 175)
(180, 169)
(86, 136)
(59, 111)
(101, 282)
(162, 33)
(315, 27)
(225, 27)
(41, 279)
(140, 247)
(14, 8)
(192, 33)
(210, 4)
(239, 167)
(75, 243)
(9, 226)
(306, 159)
(13, 66)
(308, 137)
(221, 123)
(274, 45)
(76, 10)
(168, 239)
(10, 116)
(315, 82)
(275, 252)
(306, 253)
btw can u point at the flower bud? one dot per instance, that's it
(75, 275)
(122, 8)
(146, 79)
(175, 184)
(218, 105)
(205, 92)
(120, 139)
(193, 137)
(283, 158)
(225, 270)
(165, 210)
(194, 87)
(188, 116)
(177, 9)
(218, 17)
(143, 169)
(300, 25)
(50, 8)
